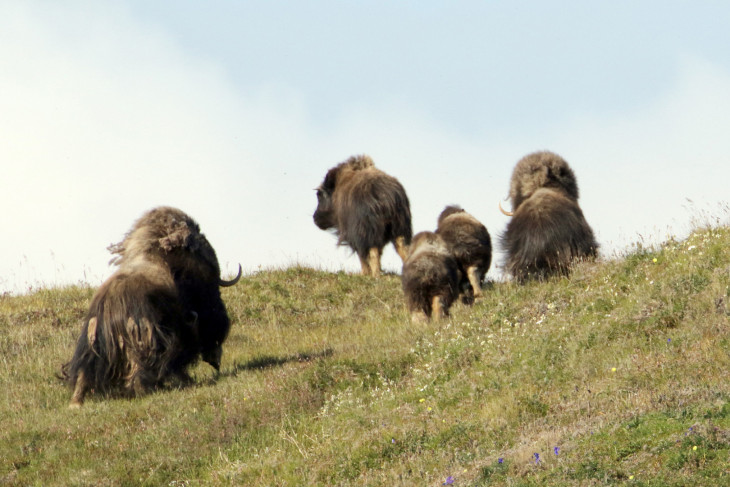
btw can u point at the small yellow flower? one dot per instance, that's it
(613, 369)
(421, 400)
(631, 477)
(694, 448)
(428, 409)
(654, 260)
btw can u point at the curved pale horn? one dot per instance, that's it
(508, 213)
(224, 283)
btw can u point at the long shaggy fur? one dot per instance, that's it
(548, 231)
(367, 208)
(430, 277)
(469, 242)
(156, 314)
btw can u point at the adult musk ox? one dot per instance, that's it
(430, 277)
(547, 231)
(367, 208)
(469, 242)
(156, 314)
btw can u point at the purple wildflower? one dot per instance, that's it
(556, 450)
(449, 480)
(537, 458)
(500, 460)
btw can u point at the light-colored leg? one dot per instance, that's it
(474, 279)
(437, 308)
(401, 247)
(365, 265)
(374, 261)
(77, 399)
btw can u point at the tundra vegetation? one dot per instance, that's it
(617, 375)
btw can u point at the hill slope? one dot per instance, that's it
(619, 375)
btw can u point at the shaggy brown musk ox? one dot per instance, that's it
(469, 242)
(156, 314)
(548, 231)
(430, 277)
(367, 208)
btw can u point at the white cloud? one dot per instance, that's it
(638, 170)
(105, 117)
(102, 119)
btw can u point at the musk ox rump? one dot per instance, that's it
(367, 208)
(430, 277)
(132, 336)
(548, 231)
(156, 314)
(469, 242)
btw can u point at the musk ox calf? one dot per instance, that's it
(430, 277)
(367, 208)
(157, 314)
(468, 241)
(548, 231)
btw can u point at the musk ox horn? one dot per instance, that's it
(508, 213)
(224, 283)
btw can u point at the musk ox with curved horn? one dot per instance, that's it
(430, 277)
(469, 242)
(548, 231)
(367, 208)
(159, 312)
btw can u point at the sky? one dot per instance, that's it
(234, 111)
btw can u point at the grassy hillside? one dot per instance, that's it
(617, 376)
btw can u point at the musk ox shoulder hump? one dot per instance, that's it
(354, 163)
(542, 169)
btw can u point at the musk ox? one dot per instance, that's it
(547, 231)
(157, 314)
(430, 277)
(367, 209)
(469, 242)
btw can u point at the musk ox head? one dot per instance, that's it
(430, 277)
(325, 216)
(366, 208)
(469, 242)
(541, 170)
(548, 231)
(156, 314)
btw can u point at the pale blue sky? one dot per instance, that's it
(234, 110)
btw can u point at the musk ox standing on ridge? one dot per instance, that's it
(469, 242)
(547, 231)
(156, 314)
(367, 208)
(430, 277)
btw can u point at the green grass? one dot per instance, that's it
(625, 367)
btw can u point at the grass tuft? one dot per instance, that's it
(616, 376)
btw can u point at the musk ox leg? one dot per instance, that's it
(77, 399)
(374, 261)
(401, 247)
(475, 279)
(437, 308)
(365, 265)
